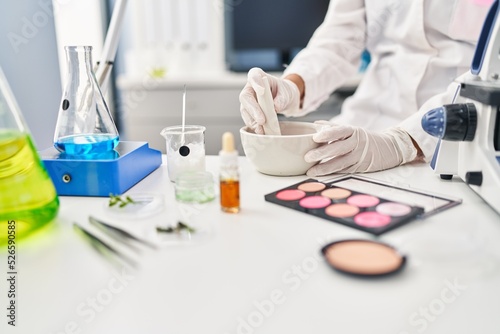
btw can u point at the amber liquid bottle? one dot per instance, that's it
(229, 175)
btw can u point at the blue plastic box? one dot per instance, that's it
(111, 173)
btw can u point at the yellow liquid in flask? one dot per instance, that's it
(27, 194)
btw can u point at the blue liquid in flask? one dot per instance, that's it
(87, 144)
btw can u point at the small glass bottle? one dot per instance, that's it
(84, 124)
(28, 199)
(229, 175)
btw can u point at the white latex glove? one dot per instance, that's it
(285, 94)
(350, 149)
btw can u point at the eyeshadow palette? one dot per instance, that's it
(360, 203)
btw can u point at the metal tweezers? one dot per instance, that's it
(120, 235)
(117, 234)
(103, 248)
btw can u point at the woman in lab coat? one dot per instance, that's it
(417, 48)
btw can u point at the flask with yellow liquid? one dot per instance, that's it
(28, 199)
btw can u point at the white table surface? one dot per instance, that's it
(260, 271)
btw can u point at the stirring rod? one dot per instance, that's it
(183, 114)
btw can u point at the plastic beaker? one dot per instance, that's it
(28, 199)
(185, 149)
(84, 125)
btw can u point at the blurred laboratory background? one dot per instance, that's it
(207, 45)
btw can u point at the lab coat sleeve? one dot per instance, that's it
(332, 55)
(413, 124)
(464, 28)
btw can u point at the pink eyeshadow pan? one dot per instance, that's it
(315, 202)
(363, 201)
(372, 219)
(393, 209)
(290, 195)
(312, 186)
(336, 193)
(341, 210)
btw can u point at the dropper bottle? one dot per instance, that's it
(229, 175)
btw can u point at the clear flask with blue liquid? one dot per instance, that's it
(85, 126)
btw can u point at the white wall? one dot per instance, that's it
(79, 22)
(182, 37)
(29, 59)
(31, 50)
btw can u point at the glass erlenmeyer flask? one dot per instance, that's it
(84, 125)
(28, 199)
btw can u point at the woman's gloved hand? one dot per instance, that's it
(285, 94)
(350, 149)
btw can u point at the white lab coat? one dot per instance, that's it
(417, 47)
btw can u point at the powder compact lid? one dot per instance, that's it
(363, 257)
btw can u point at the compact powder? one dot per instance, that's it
(372, 219)
(363, 257)
(312, 186)
(336, 193)
(290, 195)
(393, 209)
(315, 202)
(363, 201)
(341, 210)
